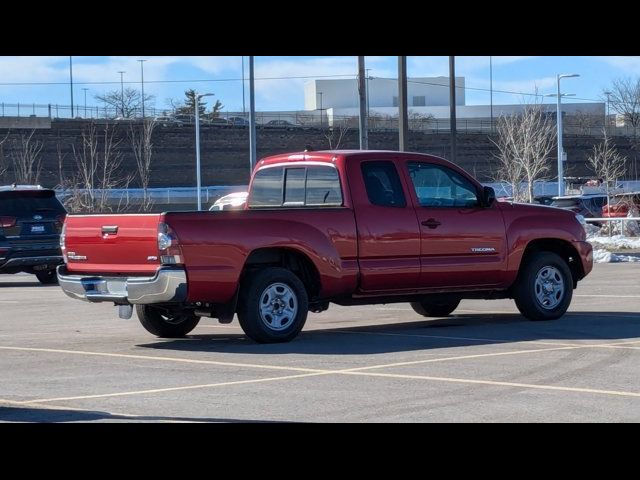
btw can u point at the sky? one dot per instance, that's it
(280, 79)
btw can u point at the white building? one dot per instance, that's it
(381, 92)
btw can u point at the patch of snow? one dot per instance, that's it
(603, 256)
(615, 242)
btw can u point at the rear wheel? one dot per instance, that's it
(164, 323)
(273, 307)
(544, 287)
(47, 277)
(431, 308)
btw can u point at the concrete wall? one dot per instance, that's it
(25, 122)
(225, 151)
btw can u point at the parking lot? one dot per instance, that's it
(63, 360)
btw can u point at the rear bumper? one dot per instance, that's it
(20, 262)
(168, 285)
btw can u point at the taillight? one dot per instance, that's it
(63, 239)
(169, 246)
(60, 221)
(7, 222)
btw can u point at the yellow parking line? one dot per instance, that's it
(165, 359)
(175, 389)
(499, 384)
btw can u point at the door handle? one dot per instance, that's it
(431, 223)
(107, 229)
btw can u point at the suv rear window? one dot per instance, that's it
(23, 203)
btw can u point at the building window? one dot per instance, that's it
(395, 101)
(420, 101)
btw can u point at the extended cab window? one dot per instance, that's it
(308, 186)
(266, 190)
(383, 184)
(438, 186)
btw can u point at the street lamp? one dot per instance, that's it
(197, 98)
(321, 122)
(122, 91)
(559, 122)
(85, 102)
(142, 82)
(606, 116)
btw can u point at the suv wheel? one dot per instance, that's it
(164, 323)
(47, 277)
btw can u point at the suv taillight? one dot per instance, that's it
(7, 222)
(168, 245)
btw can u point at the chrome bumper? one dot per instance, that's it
(168, 285)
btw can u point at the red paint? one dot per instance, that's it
(358, 249)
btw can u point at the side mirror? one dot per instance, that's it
(488, 196)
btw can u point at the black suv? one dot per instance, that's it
(31, 219)
(589, 206)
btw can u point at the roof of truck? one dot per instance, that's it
(329, 155)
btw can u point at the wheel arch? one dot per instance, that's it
(561, 248)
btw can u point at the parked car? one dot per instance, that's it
(620, 204)
(233, 201)
(279, 123)
(169, 122)
(238, 121)
(348, 227)
(31, 218)
(589, 206)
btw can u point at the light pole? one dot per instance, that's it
(367, 90)
(197, 98)
(142, 83)
(321, 122)
(122, 91)
(606, 115)
(85, 102)
(491, 88)
(71, 82)
(559, 122)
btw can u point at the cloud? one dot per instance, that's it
(629, 65)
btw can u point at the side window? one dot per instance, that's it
(383, 184)
(323, 187)
(438, 186)
(266, 190)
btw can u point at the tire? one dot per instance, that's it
(430, 308)
(544, 287)
(165, 324)
(273, 307)
(47, 277)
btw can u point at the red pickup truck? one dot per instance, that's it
(348, 227)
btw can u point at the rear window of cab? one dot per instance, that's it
(296, 186)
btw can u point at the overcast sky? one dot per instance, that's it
(278, 82)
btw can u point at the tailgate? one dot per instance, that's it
(112, 244)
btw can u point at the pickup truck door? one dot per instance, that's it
(463, 244)
(388, 230)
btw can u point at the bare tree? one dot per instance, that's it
(419, 121)
(142, 146)
(625, 99)
(525, 141)
(98, 171)
(582, 121)
(335, 135)
(607, 163)
(125, 103)
(3, 163)
(25, 154)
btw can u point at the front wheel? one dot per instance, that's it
(165, 323)
(544, 287)
(47, 277)
(431, 308)
(273, 307)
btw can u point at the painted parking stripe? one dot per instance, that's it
(174, 389)
(499, 384)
